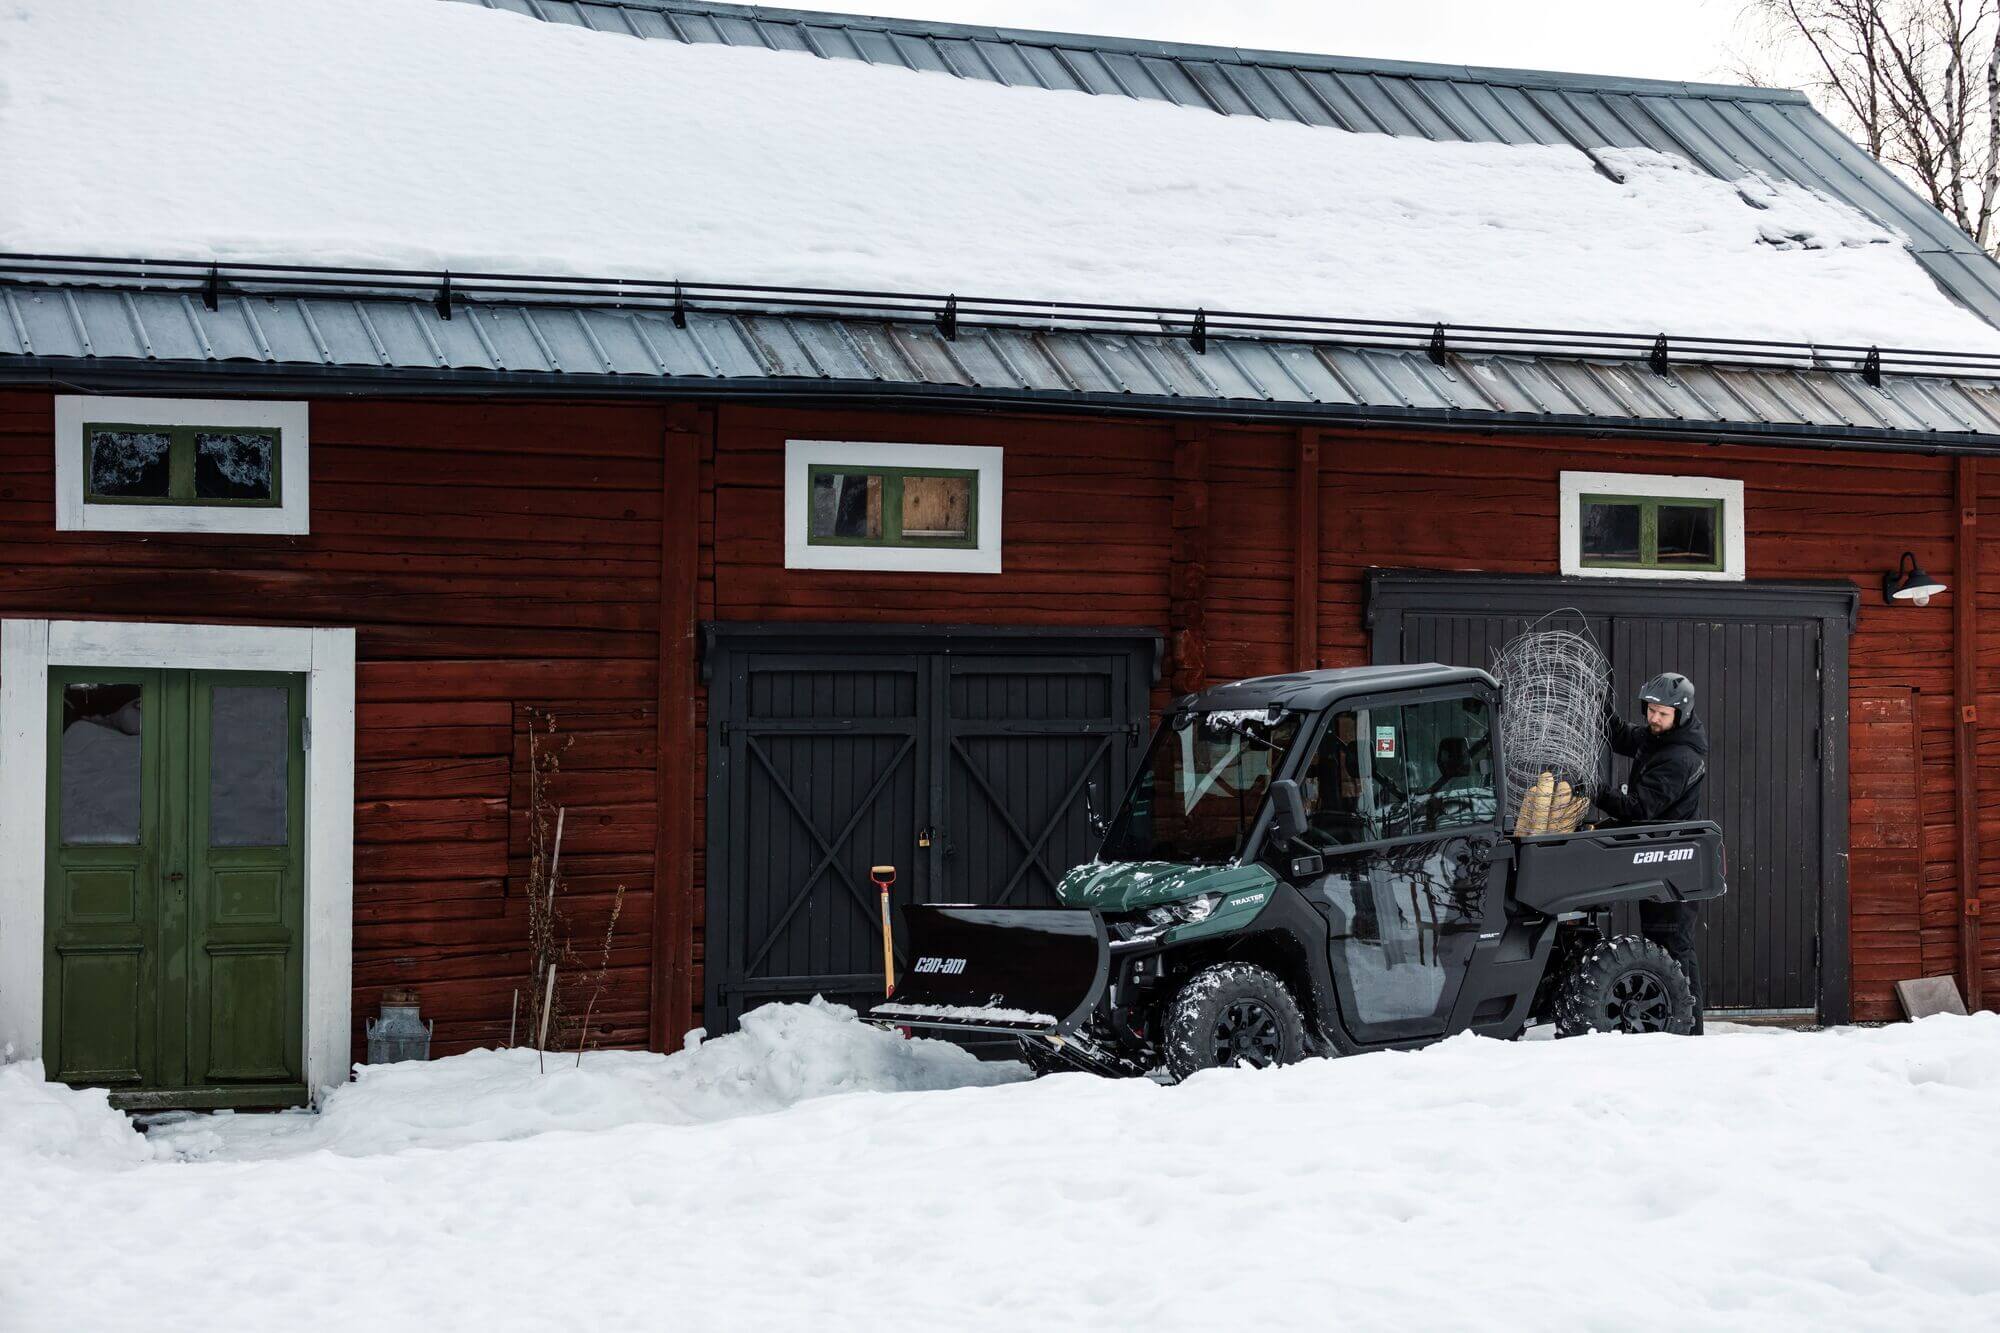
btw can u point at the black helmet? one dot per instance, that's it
(1670, 688)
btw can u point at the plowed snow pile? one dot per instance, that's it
(784, 1054)
(1751, 1180)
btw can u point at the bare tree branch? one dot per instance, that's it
(1899, 75)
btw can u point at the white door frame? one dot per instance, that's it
(28, 648)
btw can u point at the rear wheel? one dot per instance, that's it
(1233, 1014)
(1627, 984)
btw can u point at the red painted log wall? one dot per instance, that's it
(493, 558)
(497, 557)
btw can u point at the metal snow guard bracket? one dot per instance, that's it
(950, 313)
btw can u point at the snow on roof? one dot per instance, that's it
(413, 133)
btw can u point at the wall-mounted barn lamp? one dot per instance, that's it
(1908, 583)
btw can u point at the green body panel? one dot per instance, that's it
(1127, 886)
(174, 968)
(1239, 907)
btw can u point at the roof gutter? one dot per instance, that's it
(109, 376)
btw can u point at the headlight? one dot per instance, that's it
(1198, 909)
(1184, 913)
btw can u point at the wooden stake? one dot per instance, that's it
(513, 1016)
(555, 857)
(583, 1032)
(548, 1003)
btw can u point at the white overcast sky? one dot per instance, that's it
(1698, 40)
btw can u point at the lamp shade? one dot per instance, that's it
(1908, 583)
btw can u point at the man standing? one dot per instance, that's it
(1669, 760)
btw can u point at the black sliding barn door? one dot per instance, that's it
(1769, 666)
(959, 757)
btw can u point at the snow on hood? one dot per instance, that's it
(411, 132)
(784, 1054)
(1126, 886)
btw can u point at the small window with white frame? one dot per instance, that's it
(1638, 525)
(180, 465)
(920, 507)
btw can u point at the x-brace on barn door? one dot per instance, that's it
(962, 759)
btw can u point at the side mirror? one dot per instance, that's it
(1288, 810)
(1098, 824)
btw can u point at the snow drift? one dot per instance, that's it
(1756, 1180)
(784, 1054)
(49, 1122)
(413, 132)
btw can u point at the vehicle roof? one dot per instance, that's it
(1314, 690)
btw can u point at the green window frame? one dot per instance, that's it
(1649, 507)
(181, 466)
(892, 506)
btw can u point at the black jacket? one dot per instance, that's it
(1667, 770)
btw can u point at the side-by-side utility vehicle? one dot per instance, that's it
(1315, 864)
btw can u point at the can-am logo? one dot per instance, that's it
(1664, 854)
(944, 967)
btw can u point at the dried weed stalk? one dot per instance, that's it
(558, 985)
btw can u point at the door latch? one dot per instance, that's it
(175, 877)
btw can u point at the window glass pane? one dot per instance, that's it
(937, 508)
(1335, 790)
(846, 505)
(1202, 785)
(249, 760)
(1687, 534)
(1611, 532)
(129, 462)
(1433, 766)
(100, 797)
(233, 465)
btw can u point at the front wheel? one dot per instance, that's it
(1627, 984)
(1233, 1014)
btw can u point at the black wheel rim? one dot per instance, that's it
(1639, 1003)
(1247, 1033)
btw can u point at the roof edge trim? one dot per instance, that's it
(1143, 46)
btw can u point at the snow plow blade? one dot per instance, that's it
(999, 969)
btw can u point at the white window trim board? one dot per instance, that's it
(986, 460)
(28, 648)
(291, 516)
(1576, 485)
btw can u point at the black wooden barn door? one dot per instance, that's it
(1769, 666)
(959, 758)
(1758, 689)
(1023, 736)
(825, 773)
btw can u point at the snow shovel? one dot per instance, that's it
(1022, 970)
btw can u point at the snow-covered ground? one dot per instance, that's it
(785, 1179)
(411, 132)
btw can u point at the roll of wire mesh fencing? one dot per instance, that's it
(1554, 683)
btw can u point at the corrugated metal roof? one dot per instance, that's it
(1728, 131)
(110, 333)
(103, 337)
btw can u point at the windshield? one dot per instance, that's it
(1203, 781)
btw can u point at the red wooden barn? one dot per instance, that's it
(300, 546)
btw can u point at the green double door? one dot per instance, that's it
(174, 962)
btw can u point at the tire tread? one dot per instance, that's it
(1579, 997)
(1190, 1016)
